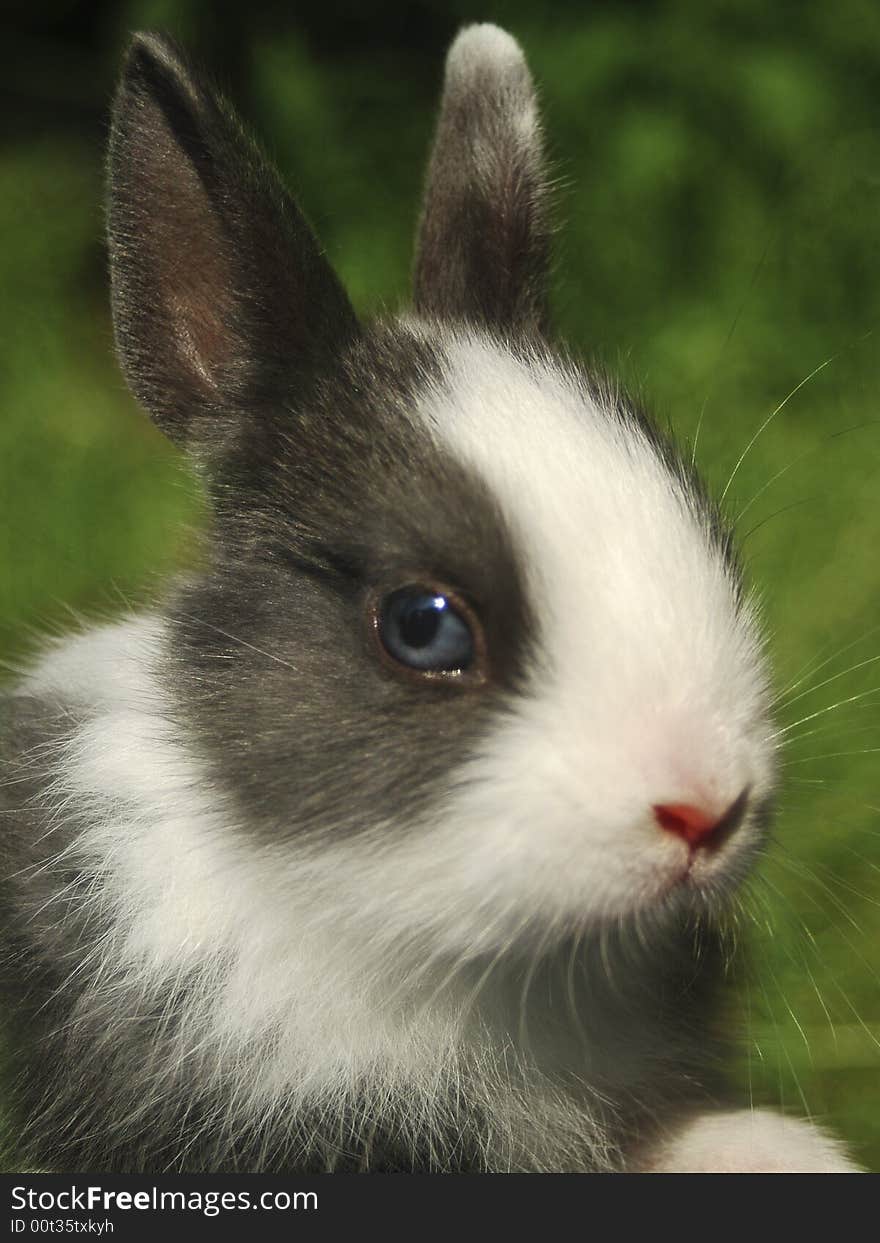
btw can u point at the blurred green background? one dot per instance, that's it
(718, 169)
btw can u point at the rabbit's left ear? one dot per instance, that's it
(483, 246)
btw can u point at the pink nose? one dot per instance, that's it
(699, 826)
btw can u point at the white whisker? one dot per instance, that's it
(772, 416)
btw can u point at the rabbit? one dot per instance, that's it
(398, 834)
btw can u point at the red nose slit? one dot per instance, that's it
(691, 823)
(699, 827)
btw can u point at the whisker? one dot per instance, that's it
(831, 755)
(824, 730)
(811, 668)
(234, 638)
(803, 872)
(797, 1024)
(776, 512)
(871, 660)
(807, 453)
(730, 332)
(778, 1042)
(858, 1018)
(772, 416)
(801, 963)
(841, 884)
(822, 711)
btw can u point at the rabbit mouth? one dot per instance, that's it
(716, 858)
(708, 881)
(690, 876)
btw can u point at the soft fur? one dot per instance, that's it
(272, 905)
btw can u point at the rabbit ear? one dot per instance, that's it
(220, 291)
(483, 244)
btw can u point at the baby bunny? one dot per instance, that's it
(399, 834)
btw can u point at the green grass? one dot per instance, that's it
(720, 186)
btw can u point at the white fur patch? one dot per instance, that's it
(649, 684)
(744, 1142)
(483, 47)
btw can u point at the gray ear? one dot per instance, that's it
(221, 295)
(483, 246)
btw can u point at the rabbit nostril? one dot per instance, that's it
(698, 826)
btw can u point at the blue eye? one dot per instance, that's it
(424, 631)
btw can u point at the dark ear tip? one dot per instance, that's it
(155, 62)
(156, 68)
(150, 49)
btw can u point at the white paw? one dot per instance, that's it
(748, 1142)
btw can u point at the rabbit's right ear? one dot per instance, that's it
(220, 292)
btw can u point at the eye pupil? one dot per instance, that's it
(423, 630)
(420, 622)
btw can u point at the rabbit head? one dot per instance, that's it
(472, 651)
